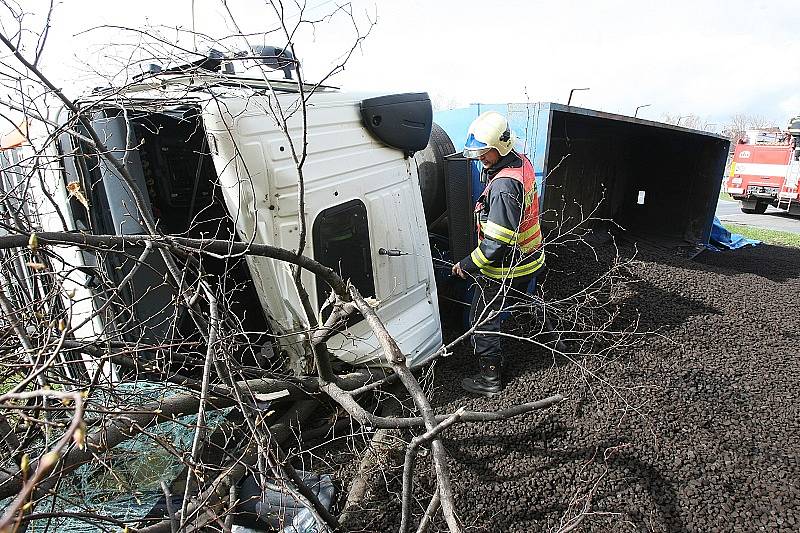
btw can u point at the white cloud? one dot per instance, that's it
(713, 58)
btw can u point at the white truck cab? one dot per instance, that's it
(215, 157)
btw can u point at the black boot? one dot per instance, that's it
(489, 382)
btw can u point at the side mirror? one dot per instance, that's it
(276, 58)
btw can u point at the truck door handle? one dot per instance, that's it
(391, 253)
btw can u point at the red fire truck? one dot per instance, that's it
(759, 170)
(766, 170)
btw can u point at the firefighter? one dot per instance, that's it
(509, 251)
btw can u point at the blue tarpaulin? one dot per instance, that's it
(722, 239)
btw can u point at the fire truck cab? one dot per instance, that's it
(759, 168)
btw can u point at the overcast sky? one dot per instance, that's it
(713, 58)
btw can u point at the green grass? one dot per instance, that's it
(9, 383)
(769, 236)
(726, 196)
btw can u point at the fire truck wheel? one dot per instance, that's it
(759, 209)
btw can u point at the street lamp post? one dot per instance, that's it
(572, 91)
(635, 113)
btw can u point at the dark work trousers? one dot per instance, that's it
(494, 295)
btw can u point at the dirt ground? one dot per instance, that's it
(695, 428)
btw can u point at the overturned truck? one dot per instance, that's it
(386, 199)
(217, 158)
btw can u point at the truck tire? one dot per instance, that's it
(759, 209)
(430, 168)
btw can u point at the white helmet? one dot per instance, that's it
(489, 130)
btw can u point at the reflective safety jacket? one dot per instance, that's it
(507, 216)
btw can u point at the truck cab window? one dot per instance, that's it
(341, 242)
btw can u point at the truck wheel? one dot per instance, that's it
(758, 208)
(430, 168)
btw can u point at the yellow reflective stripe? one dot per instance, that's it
(500, 229)
(498, 232)
(478, 258)
(533, 235)
(501, 238)
(515, 271)
(533, 242)
(528, 233)
(531, 246)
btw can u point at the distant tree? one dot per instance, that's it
(691, 120)
(741, 122)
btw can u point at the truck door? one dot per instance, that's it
(378, 240)
(361, 197)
